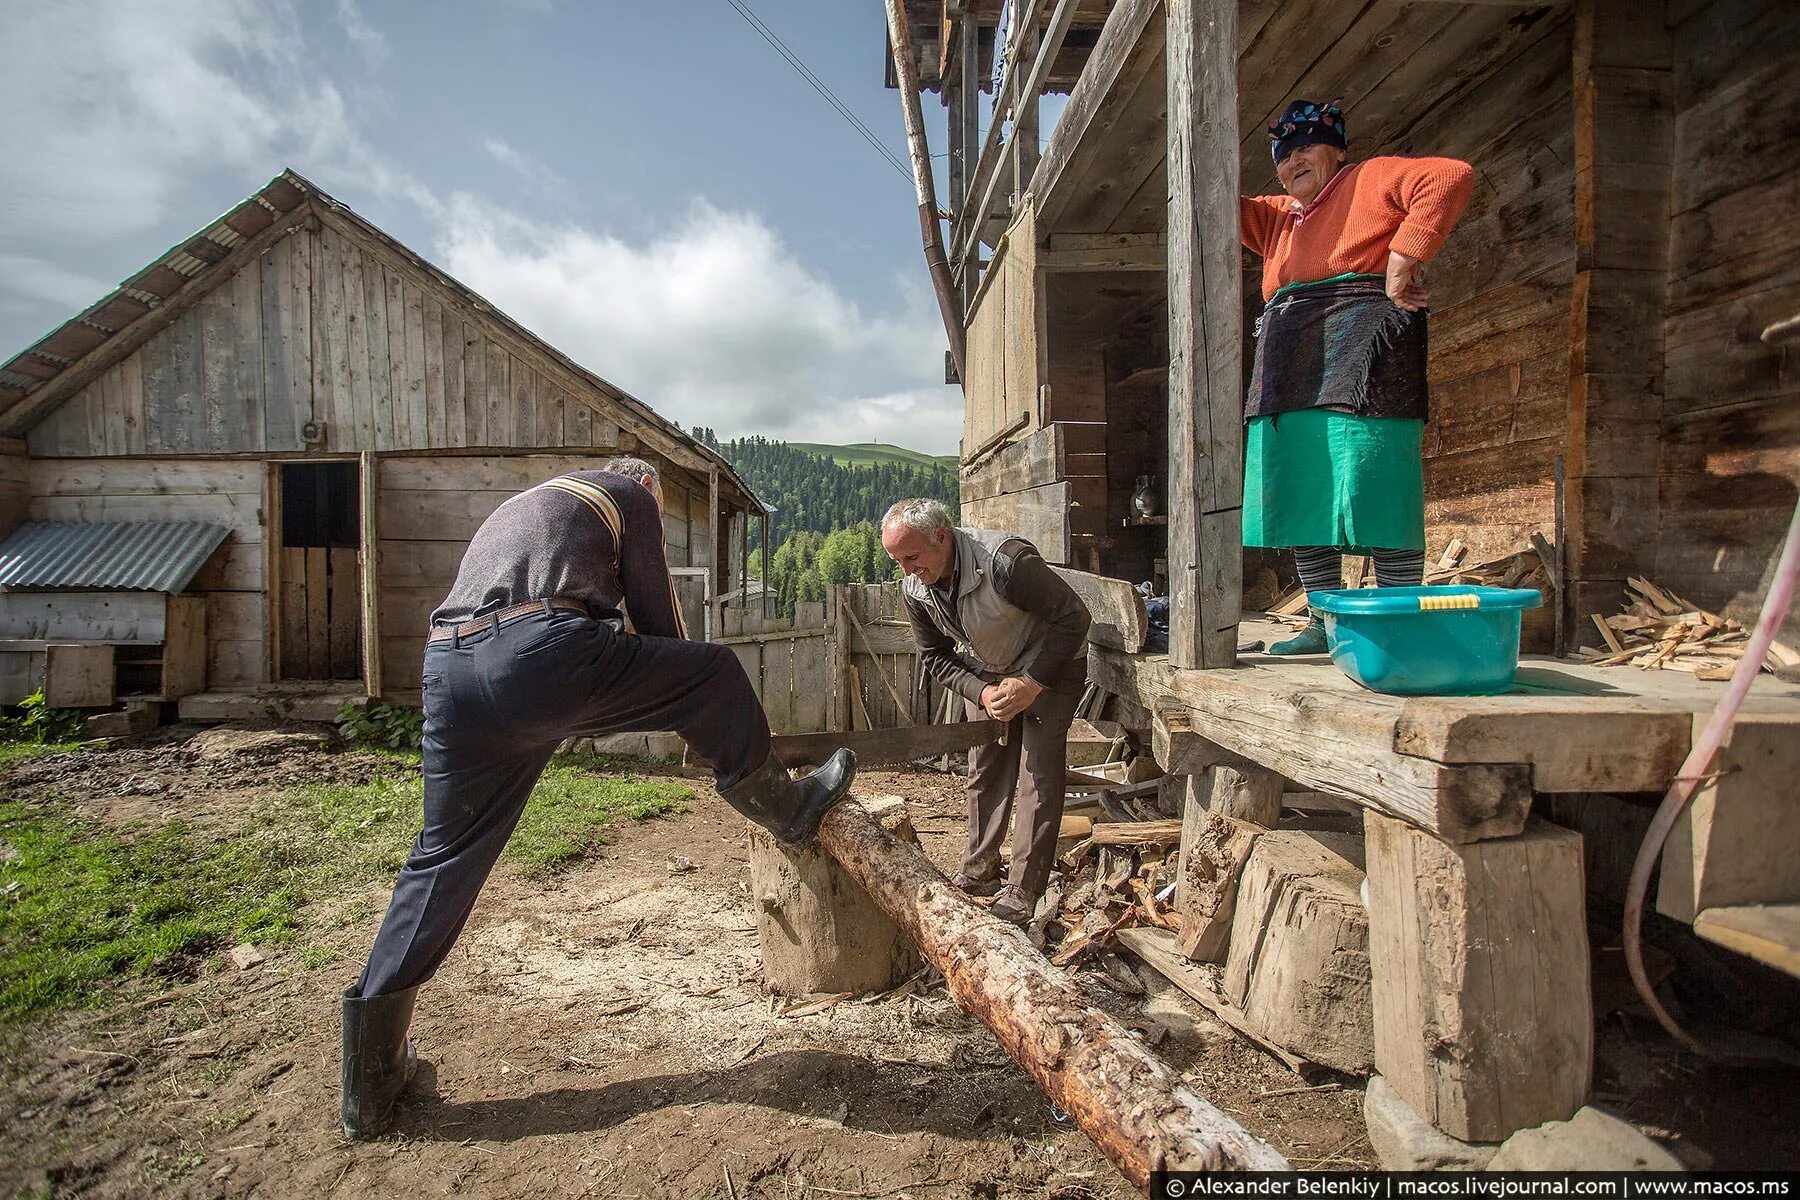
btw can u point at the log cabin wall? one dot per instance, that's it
(1730, 430)
(1501, 292)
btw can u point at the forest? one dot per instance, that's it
(824, 522)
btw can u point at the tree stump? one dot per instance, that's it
(820, 931)
(1298, 966)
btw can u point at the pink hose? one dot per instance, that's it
(1694, 772)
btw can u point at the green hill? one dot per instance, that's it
(874, 453)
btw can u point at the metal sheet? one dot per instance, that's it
(153, 556)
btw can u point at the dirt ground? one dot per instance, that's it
(605, 1033)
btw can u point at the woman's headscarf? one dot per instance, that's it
(1308, 123)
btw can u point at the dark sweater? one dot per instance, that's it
(589, 535)
(1023, 579)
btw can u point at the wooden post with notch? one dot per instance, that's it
(1206, 424)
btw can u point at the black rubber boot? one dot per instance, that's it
(378, 1060)
(791, 809)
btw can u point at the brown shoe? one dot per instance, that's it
(1014, 906)
(969, 885)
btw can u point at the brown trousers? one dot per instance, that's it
(1040, 737)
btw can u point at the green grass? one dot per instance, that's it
(11, 752)
(83, 905)
(874, 453)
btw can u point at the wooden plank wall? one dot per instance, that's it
(1005, 354)
(1048, 487)
(325, 326)
(1730, 458)
(429, 509)
(888, 675)
(221, 492)
(1501, 299)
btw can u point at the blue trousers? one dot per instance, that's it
(497, 703)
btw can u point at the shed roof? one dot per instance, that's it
(150, 556)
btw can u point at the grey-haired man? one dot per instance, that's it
(997, 626)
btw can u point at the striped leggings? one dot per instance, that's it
(1322, 567)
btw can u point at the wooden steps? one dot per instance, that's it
(1769, 933)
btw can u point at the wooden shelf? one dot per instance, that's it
(1156, 520)
(1769, 933)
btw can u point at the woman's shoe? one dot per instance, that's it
(1310, 640)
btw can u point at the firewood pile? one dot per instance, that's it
(1660, 631)
(1117, 875)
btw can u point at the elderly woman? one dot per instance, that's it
(1337, 402)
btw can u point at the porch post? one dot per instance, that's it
(1206, 425)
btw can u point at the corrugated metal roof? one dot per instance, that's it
(151, 556)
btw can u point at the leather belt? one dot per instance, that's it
(493, 620)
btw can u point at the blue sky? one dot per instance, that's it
(649, 186)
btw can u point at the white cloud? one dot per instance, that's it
(113, 104)
(31, 281)
(715, 322)
(522, 164)
(362, 35)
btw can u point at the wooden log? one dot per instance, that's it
(1483, 1011)
(818, 928)
(1214, 848)
(878, 746)
(1298, 966)
(1135, 1108)
(1115, 607)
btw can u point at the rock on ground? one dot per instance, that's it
(1591, 1140)
(1405, 1141)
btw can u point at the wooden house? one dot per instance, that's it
(1601, 379)
(350, 414)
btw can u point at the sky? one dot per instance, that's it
(649, 187)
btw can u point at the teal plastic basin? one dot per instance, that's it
(1426, 641)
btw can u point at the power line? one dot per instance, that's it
(818, 85)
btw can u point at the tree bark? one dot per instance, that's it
(1134, 1107)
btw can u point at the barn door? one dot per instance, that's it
(320, 607)
(693, 592)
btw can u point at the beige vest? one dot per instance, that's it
(991, 634)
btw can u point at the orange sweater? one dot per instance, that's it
(1368, 209)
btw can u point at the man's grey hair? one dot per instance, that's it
(631, 468)
(919, 514)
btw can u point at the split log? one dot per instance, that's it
(818, 928)
(1135, 1108)
(1214, 848)
(1298, 967)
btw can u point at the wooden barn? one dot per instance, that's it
(348, 414)
(1612, 401)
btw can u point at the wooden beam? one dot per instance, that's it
(1337, 741)
(1124, 28)
(885, 746)
(369, 557)
(1206, 425)
(1483, 1010)
(1136, 1109)
(1105, 252)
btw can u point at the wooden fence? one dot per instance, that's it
(845, 663)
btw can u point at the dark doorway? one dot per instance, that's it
(320, 609)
